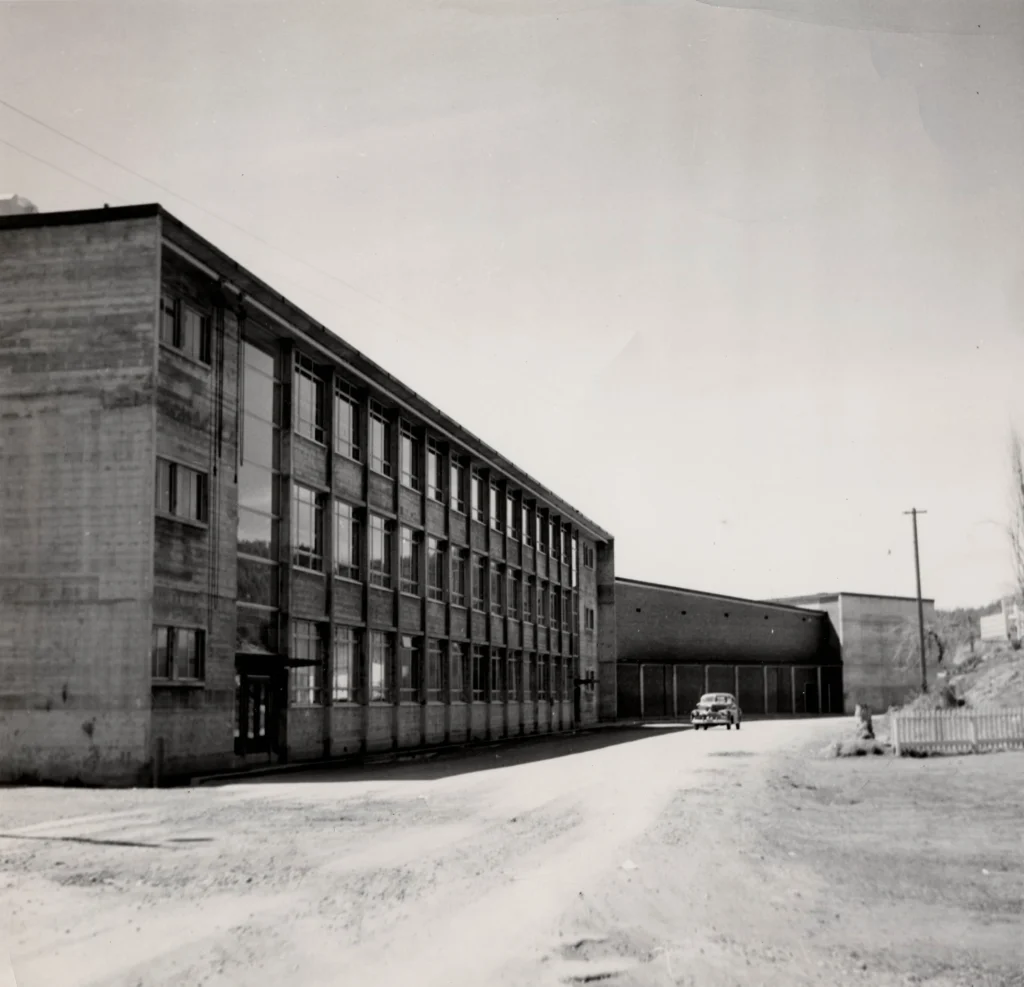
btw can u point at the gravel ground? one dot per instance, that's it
(643, 857)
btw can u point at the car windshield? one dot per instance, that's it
(715, 697)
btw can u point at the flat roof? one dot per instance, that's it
(246, 284)
(774, 604)
(823, 597)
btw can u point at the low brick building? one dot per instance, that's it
(230, 538)
(674, 644)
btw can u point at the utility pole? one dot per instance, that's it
(913, 512)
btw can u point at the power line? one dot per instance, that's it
(50, 164)
(209, 212)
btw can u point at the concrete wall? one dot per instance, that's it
(662, 624)
(78, 308)
(194, 565)
(872, 629)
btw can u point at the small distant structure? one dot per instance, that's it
(1007, 624)
(12, 204)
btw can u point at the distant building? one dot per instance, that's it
(1007, 624)
(871, 630)
(15, 205)
(675, 644)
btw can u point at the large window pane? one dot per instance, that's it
(256, 489)
(256, 534)
(257, 582)
(256, 630)
(259, 394)
(257, 441)
(255, 357)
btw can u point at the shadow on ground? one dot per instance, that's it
(459, 761)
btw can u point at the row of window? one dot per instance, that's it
(307, 548)
(184, 327)
(407, 673)
(486, 501)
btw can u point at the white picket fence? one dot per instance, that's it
(957, 731)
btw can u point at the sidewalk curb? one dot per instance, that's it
(396, 756)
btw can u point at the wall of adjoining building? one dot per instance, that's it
(674, 644)
(77, 361)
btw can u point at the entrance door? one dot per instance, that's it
(256, 714)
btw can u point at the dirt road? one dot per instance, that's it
(625, 857)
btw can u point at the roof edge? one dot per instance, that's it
(80, 217)
(290, 312)
(714, 596)
(870, 596)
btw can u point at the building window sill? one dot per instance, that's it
(187, 521)
(178, 684)
(182, 355)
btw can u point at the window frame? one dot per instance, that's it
(380, 651)
(476, 496)
(514, 595)
(478, 578)
(345, 394)
(457, 670)
(350, 523)
(409, 571)
(408, 448)
(314, 688)
(479, 671)
(313, 559)
(527, 530)
(304, 372)
(459, 562)
(436, 670)
(171, 632)
(177, 342)
(410, 660)
(435, 568)
(352, 642)
(496, 581)
(380, 464)
(457, 485)
(494, 501)
(497, 670)
(167, 497)
(382, 576)
(435, 455)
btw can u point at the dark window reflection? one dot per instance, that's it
(257, 582)
(257, 535)
(256, 631)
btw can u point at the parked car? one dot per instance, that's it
(714, 709)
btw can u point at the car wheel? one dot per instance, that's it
(728, 726)
(737, 724)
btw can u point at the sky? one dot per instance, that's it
(742, 281)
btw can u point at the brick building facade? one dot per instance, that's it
(229, 538)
